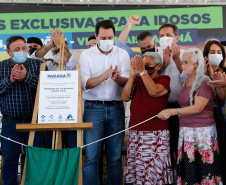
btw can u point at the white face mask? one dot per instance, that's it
(165, 41)
(106, 45)
(215, 59)
(56, 58)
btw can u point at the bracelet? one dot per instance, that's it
(178, 111)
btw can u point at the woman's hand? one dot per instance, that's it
(166, 113)
(140, 63)
(133, 67)
(209, 68)
(219, 80)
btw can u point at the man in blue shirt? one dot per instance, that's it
(145, 39)
(18, 83)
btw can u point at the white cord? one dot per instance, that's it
(120, 131)
(12, 140)
(94, 141)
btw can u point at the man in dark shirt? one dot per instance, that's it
(18, 83)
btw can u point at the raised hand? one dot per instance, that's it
(133, 67)
(209, 67)
(167, 56)
(134, 19)
(140, 63)
(56, 37)
(175, 50)
(219, 80)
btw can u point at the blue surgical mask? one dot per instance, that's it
(20, 57)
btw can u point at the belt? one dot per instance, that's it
(104, 102)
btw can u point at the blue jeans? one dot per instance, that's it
(11, 151)
(69, 139)
(107, 120)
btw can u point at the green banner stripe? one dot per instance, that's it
(84, 21)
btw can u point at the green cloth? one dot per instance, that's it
(52, 167)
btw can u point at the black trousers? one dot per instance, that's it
(174, 133)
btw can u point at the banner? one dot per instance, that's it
(151, 19)
(78, 26)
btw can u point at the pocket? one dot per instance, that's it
(89, 105)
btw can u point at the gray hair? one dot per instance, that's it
(197, 56)
(157, 58)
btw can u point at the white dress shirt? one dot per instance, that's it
(176, 77)
(94, 63)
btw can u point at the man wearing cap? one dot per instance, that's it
(33, 43)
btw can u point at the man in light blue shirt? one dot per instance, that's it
(145, 39)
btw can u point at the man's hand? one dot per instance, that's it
(12, 78)
(134, 20)
(175, 51)
(56, 37)
(167, 56)
(18, 73)
(107, 73)
(115, 73)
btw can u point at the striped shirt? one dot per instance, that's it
(17, 99)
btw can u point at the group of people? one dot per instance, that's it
(182, 90)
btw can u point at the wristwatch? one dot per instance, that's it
(143, 72)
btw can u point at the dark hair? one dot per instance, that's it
(143, 35)
(106, 24)
(207, 46)
(13, 39)
(91, 38)
(175, 28)
(34, 40)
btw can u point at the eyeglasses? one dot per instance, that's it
(55, 51)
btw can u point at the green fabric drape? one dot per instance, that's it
(52, 167)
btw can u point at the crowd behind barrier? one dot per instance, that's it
(185, 88)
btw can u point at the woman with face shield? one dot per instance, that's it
(198, 159)
(214, 54)
(148, 153)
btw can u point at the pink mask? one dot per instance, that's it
(187, 69)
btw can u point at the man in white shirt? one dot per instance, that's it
(172, 56)
(105, 69)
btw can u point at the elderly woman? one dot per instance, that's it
(198, 152)
(148, 153)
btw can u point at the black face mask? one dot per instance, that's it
(149, 50)
(150, 70)
(31, 51)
